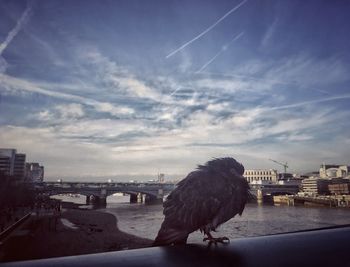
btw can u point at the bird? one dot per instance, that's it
(206, 198)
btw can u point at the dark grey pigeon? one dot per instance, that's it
(206, 198)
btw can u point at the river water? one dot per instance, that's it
(145, 220)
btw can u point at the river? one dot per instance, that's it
(145, 220)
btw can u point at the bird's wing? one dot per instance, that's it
(196, 201)
(235, 205)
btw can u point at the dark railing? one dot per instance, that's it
(324, 247)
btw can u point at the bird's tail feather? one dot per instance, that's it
(170, 236)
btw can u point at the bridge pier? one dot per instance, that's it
(150, 200)
(103, 201)
(133, 198)
(291, 201)
(259, 196)
(98, 201)
(88, 200)
(139, 198)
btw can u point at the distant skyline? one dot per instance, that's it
(107, 88)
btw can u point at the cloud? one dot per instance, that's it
(71, 110)
(62, 113)
(12, 83)
(306, 71)
(109, 146)
(295, 137)
(137, 88)
(230, 85)
(101, 128)
(3, 65)
(278, 77)
(110, 108)
(151, 120)
(218, 107)
(115, 78)
(186, 61)
(208, 29)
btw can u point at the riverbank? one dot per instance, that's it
(76, 232)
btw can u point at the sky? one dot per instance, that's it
(127, 88)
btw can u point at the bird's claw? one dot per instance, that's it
(215, 240)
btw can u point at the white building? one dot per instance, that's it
(265, 176)
(334, 171)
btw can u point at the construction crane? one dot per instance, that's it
(285, 165)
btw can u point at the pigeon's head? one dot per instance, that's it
(227, 165)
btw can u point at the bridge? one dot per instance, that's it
(97, 193)
(265, 192)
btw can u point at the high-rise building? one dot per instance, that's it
(7, 160)
(11, 163)
(34, 172)
(5, 165)
(19, 166)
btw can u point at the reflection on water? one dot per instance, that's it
(145, 220)
(80, 199)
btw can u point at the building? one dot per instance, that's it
(7, 160)
(5, 165)
(339, 186)
(11, 163)
(19, 166)
(161, 177)
(315, 186)
(34, 172)
(254, 176)
(334, 171)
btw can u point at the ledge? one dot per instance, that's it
(322, 247)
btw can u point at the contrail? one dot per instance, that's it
(177, 89)
(208, 29)
(210, 61)
(12, 34)
(219, 53)
(304, 103)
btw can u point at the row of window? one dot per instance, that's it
(264, 178)
(258, 172)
